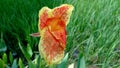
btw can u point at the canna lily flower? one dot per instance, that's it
(52, 29)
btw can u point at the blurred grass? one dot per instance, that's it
(94, 30)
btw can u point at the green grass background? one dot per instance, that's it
(93, 30)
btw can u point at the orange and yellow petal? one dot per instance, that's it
(50, 48)
(63, 12)
(43, 16)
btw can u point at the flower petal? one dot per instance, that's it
(63, 12)
(43, 16)
(49, 48)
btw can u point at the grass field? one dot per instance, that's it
(93, 33)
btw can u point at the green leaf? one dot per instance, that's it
(32, 65)
(4, 57)
(3, 46)
(29, 50)
(14, 65)
(81, 61)
(21, 65)
(26, 51)
(11, 57)
(63, 64)
(38, 61)
(2, 65)
(7, 66)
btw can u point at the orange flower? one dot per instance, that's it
(52, 28)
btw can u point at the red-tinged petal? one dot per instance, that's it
(43, 16)
(50, 48)
(63, 12)
(57, 28)
(55, 24)
(61, 36)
